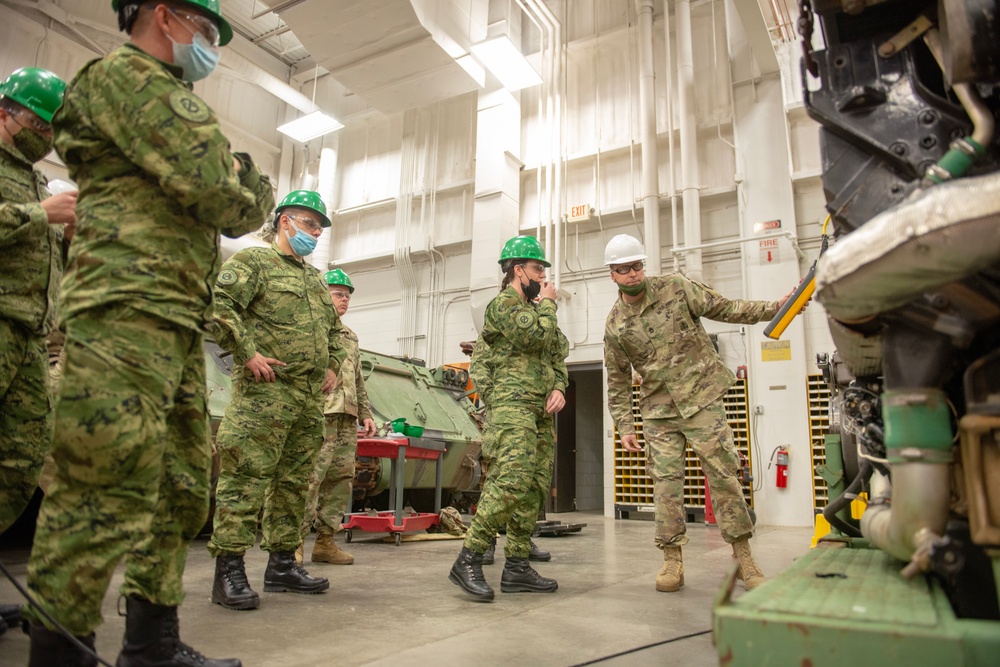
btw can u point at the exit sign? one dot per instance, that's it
(579, 213)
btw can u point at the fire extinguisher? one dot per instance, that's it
(780, 459)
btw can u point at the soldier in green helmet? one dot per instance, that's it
(35, 230)
(329, 493)
(275, 316)
(158, 186)
(525, 362)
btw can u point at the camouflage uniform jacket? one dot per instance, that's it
(524, 359)
(349, 396)
(663, 339)
(32, 249)
(157, 186)
(275, 304)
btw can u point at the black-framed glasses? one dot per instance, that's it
(27, 118)
(628, 268)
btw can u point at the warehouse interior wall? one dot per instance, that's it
(425, 157)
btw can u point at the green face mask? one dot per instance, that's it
(633, 290)
(32, 145)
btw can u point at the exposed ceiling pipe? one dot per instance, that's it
(246, 69)
(647, 123)
(670, 132)
(689, 141)
(554, 105)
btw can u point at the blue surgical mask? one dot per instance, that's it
(197, 59)
(302, 243)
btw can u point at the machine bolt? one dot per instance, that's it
(899, 148)
(928, 117)
(928, 142)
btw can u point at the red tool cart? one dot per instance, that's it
(398, 449)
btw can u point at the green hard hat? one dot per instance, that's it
(338, 277)
(522, 247)
(303, 199)
(210, 7)
(38, 90)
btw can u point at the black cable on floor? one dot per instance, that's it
(642, 648)
(31, 601)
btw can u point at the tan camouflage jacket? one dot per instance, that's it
(157, 187)
(275, 304)
(31, 250)
(349, 396)
(524, 356)
(663, 339)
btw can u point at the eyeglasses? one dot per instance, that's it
(25, 117)
(341, 295)
(205, 26)
(628, 268)
(535, 266)
(310, 224)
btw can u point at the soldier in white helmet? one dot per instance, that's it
(655, 328)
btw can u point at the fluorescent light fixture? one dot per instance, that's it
(310, 126)
(506, 63)
(473, 69)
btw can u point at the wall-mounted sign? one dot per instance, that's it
(766, 226)
(578, 213)
(769, 251)
(776, 350)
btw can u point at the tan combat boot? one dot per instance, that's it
(749, 572)
(300, 553)
(326, 551)
(671, 576)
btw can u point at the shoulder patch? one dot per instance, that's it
(227, 277)
(187, 105)
(525, 319)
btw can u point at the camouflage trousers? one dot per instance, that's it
(268, 443)
(25, 417)
(133, 466)
(519, 444)
(711, 440)
(329, 494)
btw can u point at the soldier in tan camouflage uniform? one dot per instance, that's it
(158, 186)
(35, 230)
(527, 354)
(329, 493)
(655, 328)
(276, 318)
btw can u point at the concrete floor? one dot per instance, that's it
(395, 605)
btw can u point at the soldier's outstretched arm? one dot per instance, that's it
(481, 370)
(235, 287)
(173, 136)
(525, 326)
(558, 360)
(364, 405)
(703, 301)
(619, 369)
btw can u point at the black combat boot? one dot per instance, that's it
(284, 574)
(49, 648)
(10, 616)
(231, 588)
(537, 554)
(490, 554)
(152, 639)
(467, 572)
(519, 577)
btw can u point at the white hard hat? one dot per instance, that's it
(623, 249)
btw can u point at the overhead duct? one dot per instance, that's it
(394, 54)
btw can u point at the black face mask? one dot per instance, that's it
(531, 290)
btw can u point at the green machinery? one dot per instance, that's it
(911, 171)
(432, 398)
